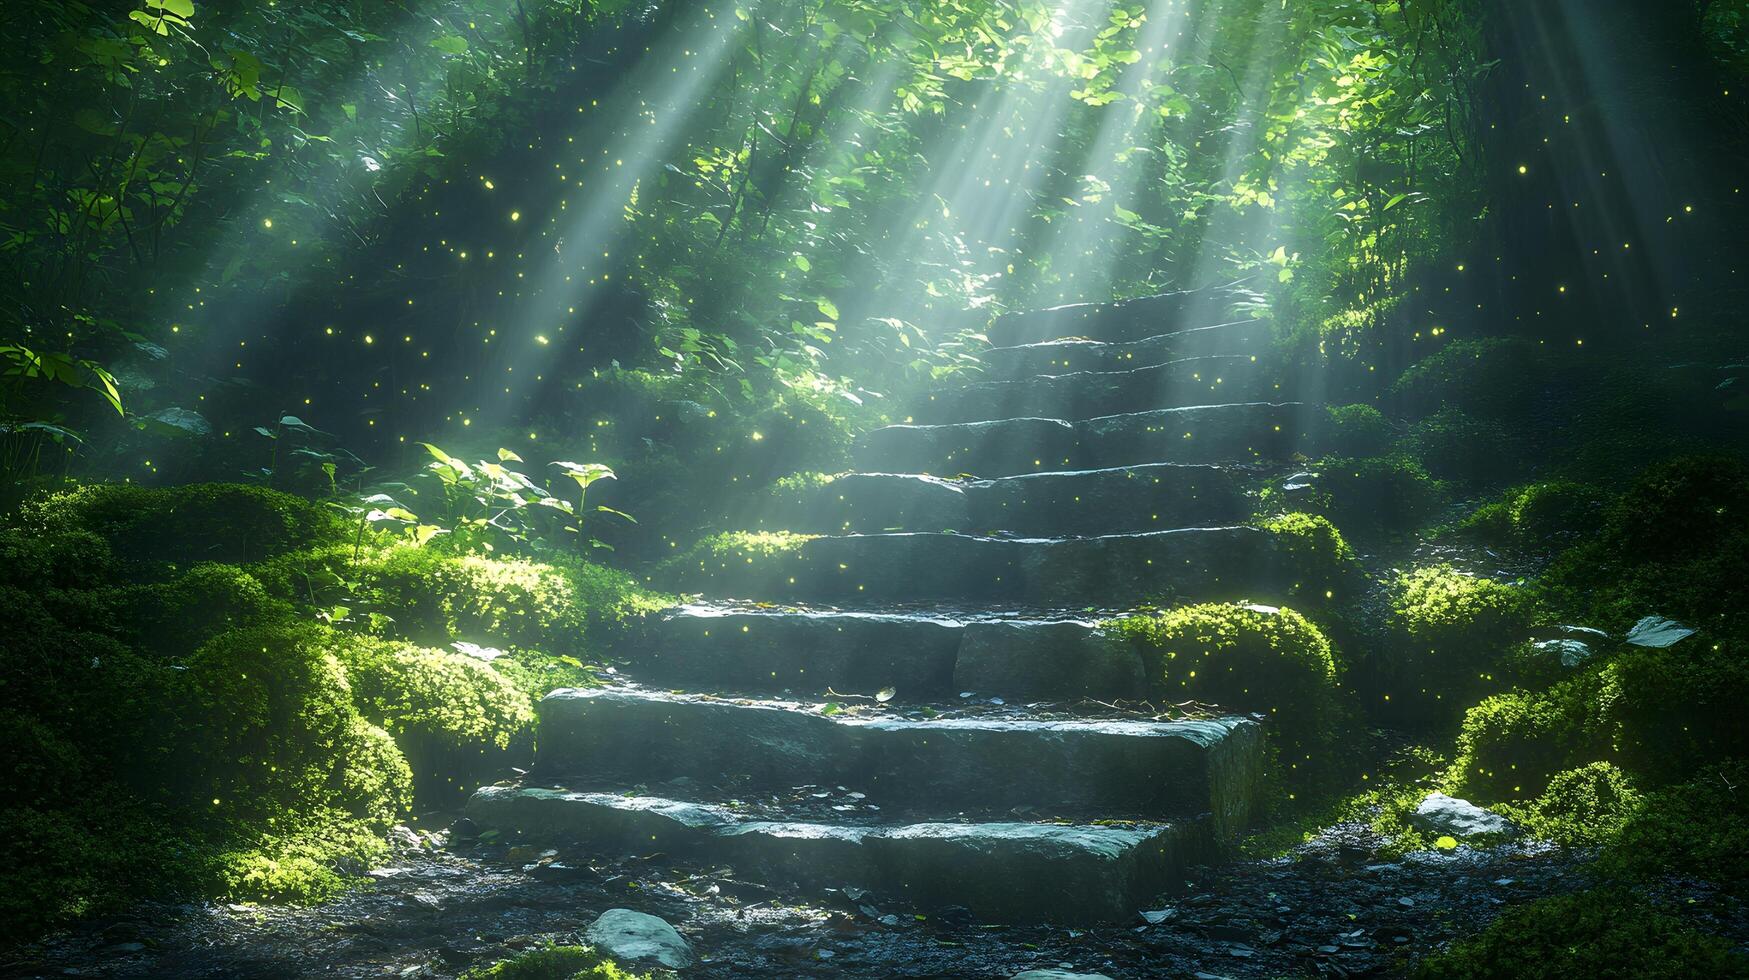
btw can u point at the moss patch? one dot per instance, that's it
(555, 963)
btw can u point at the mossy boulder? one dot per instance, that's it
(1606, 933)
(1444, 636)
(1260, 659)
(1389, 493)
(1660, 714)
(147, 528)
(453, 716)
(1538, 516)
(1455, 446)
(1354, 431)
(267, 725)
(1586, 806)
(1699, 828)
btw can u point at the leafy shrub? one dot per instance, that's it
(171, 619)
(1249, 658)
(554, 963)
(1355, 430)
(1445, 633)
(316, 859)
(1585, 807)
(1386, 492)
(1605, 933)
(1513, 744)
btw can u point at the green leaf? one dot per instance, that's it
(827, 308)
(802, 263)
(450, 44)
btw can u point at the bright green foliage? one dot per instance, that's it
(270, 726)
(1389, 492)
(1584, 807)
(1603, 933)
(1538, 516)
(175, 617)
(554, 963)
(1355, 431)
(452, 715)
(1248, 658)
(295, 864)
(1325, 566)
(742, 554)
(1512, 744)
(1445, 633)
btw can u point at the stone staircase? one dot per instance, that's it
(915, 699)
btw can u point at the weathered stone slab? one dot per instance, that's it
(1001, 871)
(638, 938)
(1240, 432)
(1142, 768)
(636, 823)
(1125, 320)
(712, 648)
(1104, 501)
(1000, 447)
(1089, 394)
(1081, 354)
(1025, 660)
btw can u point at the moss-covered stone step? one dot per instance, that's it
(983, 763)
(1087, 394)
(1185, 564)
(1125, 320)
(1107, 501)
(919, 655)
(1081, 354)
(1073, 874)
(1237, 433)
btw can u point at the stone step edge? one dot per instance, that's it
(1073, 424)
(1004, 871)
(1156, 339)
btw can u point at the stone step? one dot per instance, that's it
(1185, 564)
(1249, 337)
(923, 655)
(1125, 320)
(954, 762)
(1087, 394)
(1246, 432)
(1002, 871)
(1108, 501)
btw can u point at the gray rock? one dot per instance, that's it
(1658, 632)
(1447, 815)
(634, 937)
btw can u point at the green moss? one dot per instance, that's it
(171, 619)
(1249, 658)
(767, 558)
(1673, 545)
(554, 963)
(1391, 492)
(1444, 638)
(268, 726)
(1537, 516)
(149, 527)
(1604, 933)
(1322, 565)
(1585, 807)
(300, 865)
(1698, 828)
(453, 716)
(1495, 376)
(1661, 715)
(1355, 430)
(1458, 447)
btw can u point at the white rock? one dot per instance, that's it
(634, 937)
(1442, 814)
